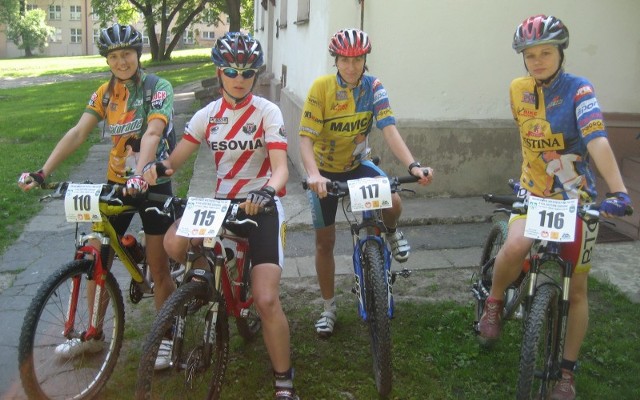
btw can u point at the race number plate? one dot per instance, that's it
(203, 217)
(552, 220)
(369, 193)
(82, 202)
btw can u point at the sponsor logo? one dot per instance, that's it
(137, 103)
(236, 145)
(309, 115)
(93, 99)
(121, 129)
(339, 107)
(585, 107)
(583, 91)
(555, 102)
(384, 113)
(282, 132)
(223, 120)
(541, 144)
(313, 101)
(536, 131)
(379, 95)
(249, 128)
(158, 99)
(341, 95)
(529, 98)
(353, 126)
(593, 126)
(526, 112)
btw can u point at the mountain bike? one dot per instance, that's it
(82, 299)
(372, 262)
(217, 285)
(540, 296)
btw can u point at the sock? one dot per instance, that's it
(568, 365)
(284, 380)
(330, 304)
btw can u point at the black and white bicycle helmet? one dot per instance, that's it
(119, 37)
(237, 50)
(540, 29)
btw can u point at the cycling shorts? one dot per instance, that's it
(152, 222)
(266, 240)
(323, 211)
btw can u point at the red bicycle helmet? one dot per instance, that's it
(540, 29)
(349, 43)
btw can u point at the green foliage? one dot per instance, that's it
(29, 31)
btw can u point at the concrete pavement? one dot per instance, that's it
(47, 242)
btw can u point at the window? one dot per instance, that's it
(75, 12)
(282, 22)
(96, 35)
(30, 7)
(303, 12)
(208, 35)
(187, 37)
(94, 16)
(76, 35)
(55, 13)
(56, 36)
(145, 39)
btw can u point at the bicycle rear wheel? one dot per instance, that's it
(538, 354)
(248, 325)
(484, 274)
(46, 375)
(188, 310)
(377, 306)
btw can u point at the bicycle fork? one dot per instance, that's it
(360, 283)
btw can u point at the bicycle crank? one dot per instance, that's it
(405, 273)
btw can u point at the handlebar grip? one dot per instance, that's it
(161, 170)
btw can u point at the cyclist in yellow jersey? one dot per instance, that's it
(561, 127)
(337, 118)
(137, 138)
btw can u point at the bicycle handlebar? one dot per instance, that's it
(340, 188)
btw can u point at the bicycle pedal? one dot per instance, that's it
(405, 273)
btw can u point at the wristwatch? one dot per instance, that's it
(413, 165)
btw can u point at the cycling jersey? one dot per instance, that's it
(339, 119)
(126, 120)
(556, 123)
(240, 139)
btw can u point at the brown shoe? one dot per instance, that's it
(489, 325)
(565, 389)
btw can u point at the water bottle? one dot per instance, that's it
(135, 249)
(231, 264)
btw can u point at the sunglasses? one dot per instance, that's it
(233, 72)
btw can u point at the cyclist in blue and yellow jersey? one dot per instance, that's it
(137, 138)
(561, 129)
(338, 116)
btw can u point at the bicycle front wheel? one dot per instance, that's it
(50, 370)
(538, 354)
(187, 312)
(377, 306)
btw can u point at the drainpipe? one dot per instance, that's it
(361, 14)
(86, 28)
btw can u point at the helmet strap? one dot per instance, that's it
(237, 100)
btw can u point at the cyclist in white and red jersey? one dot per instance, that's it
(137, 137)
(561, 128)
(337, 118)
(249, 148)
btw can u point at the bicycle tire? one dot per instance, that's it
(186, 378)
(44, 374)
(484, 274)
(248, 326)
(377, 306)
(539, 345)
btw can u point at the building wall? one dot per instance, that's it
(447, 68)
(88, 24)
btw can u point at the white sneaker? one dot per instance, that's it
(75, 347)
(325, 324)
(163, 359)
(399, 246)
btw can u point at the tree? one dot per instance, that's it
(179, 13)
(27, 29)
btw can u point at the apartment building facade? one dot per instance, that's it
(77, 30)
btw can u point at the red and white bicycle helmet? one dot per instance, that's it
(237, 50)
(349, 43)
(540, 29)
